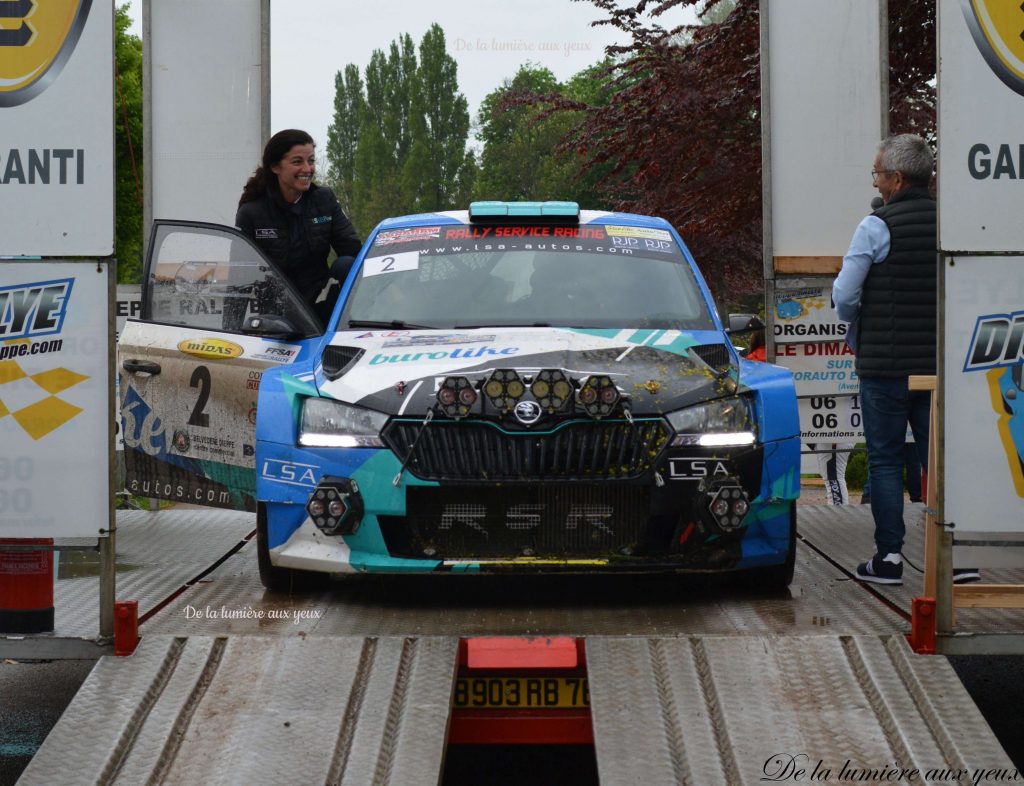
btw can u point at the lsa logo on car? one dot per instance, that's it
(36, 42)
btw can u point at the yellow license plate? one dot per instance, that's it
(521, 692)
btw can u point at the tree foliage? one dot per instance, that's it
(128, 149)
(398, 140)
(680, 135)
(525, 153)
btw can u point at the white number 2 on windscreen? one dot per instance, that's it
(392, 263)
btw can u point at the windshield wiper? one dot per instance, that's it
(503, 324)
(395, 324)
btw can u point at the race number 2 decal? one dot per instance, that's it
(201, 379)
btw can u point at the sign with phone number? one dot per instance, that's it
(831, 419)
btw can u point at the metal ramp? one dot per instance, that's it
(691, 709)
(257, 710)
(736, 710)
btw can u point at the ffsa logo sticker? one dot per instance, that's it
(997, 27)
(37, 38)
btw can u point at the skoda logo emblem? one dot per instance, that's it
(527, 412)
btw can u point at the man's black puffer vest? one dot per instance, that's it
(897, 326)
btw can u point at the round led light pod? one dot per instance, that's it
(456, 397)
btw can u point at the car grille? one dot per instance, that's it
(536, 521)
(482, 450)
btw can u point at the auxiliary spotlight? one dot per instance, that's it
(552, 389)
(456, 397)
(728, 504)
(335, 506)
(598, 396)
(503, 389)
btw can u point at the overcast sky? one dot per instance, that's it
(311, 40)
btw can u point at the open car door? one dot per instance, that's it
(215, 314)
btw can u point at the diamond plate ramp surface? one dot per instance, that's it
(845, 534)
(257, 710)
(157, 553)
(744, 710)
(821, 600)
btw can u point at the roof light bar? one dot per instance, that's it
(494, 212)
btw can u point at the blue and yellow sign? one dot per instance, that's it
(997, 27)
(36, 41)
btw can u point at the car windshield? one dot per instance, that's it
(582, 277)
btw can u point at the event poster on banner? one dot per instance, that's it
(806, 315)
(984, 453)
(55, 388)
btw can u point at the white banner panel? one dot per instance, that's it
(820, 369)
(825, 117)
(984, 357)
(55, 413)
(57, 116)
(831, 419)
(206, 94)
(981, 114)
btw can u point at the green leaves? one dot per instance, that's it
(128, 143)
(398, 141)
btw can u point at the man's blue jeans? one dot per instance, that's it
(888, 406)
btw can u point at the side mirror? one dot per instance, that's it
(271, 326)
(744, 323)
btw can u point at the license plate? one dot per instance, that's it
(521, 692)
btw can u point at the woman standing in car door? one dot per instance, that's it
(296, 222)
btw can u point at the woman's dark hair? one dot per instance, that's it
(276, 149)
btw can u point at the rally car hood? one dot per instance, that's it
(398, 372)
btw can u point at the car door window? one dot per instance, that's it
(213, 278)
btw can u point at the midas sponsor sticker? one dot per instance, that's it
(212, 348)
(644, 232)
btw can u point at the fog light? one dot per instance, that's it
(599, 396)
(504, 388)
(335, 506)
(552, 389)
(456, 397)
(727, 503)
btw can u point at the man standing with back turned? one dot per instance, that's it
(887, 291)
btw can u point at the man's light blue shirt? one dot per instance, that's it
(870, 245)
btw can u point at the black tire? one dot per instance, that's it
(776, 578)
(278, 579)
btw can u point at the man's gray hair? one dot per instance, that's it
(909, 154)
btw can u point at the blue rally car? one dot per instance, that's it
(519, 387)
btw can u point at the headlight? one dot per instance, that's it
(331, 424)
(725, 422)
